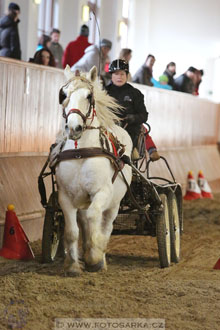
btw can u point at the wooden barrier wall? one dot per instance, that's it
(29, 107)
(30, 113)
(180, 119)
(185, 129)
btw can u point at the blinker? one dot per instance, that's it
(62, 96)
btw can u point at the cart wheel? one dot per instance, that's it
(53, 231)
(174, 227)
(163, 234)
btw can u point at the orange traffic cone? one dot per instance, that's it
(217, 265)
(15, 242)
(204, 186)
(192, 191)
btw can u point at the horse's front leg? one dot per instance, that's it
(108, 218)
(95, 243)
(71, 235)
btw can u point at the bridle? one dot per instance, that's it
(106, 138)
(64, 100)
(104, 135)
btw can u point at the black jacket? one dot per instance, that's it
(170, 76)
(9, 38)
(143, 76)
(184, 84)
(133, 102)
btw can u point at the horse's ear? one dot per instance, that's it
(68, 73)
(77, 73)
(93, 73)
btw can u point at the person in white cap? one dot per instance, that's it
(94, 56)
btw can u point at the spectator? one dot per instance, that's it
(75, 49)
(44, 42)
(134, 113)
(145, 73)
(126, 54)
(199, 74)
(162, 83)
(43, 56)
(170, 73)
(9, 35)
(55, 48)
(94, 56)
(186, 82)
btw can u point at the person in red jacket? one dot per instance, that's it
(75, 49)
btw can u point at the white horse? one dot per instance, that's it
(87, 196)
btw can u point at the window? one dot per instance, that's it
(46, 17)
(125, 8)
(123, 24)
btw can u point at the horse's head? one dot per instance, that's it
(77, 99)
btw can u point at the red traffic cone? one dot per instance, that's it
(192, 191)
(204, 186)
(15, 242)
(217, 265)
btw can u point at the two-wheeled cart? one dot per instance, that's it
(148, 208)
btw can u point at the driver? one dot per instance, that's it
(134, 113)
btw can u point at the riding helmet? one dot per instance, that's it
(118, 65)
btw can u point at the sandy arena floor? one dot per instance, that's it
(186, 295)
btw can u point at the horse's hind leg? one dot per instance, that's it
(71, 235)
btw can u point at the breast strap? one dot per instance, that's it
(89, 153)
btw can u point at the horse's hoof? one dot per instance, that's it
(96, 267)
(72, 269)
(72, 274)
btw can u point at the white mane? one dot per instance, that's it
(106, 107)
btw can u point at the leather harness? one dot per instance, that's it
(83, 153)
(104, 136)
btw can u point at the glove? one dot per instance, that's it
(130, 119)
(154, 156)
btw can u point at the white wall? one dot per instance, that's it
(186, 32)
(108, 23)
(69, 20)
(138, 39)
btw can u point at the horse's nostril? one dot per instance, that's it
(78, 128)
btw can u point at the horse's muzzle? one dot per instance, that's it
(75, 134)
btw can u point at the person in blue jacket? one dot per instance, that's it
(162, 83)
